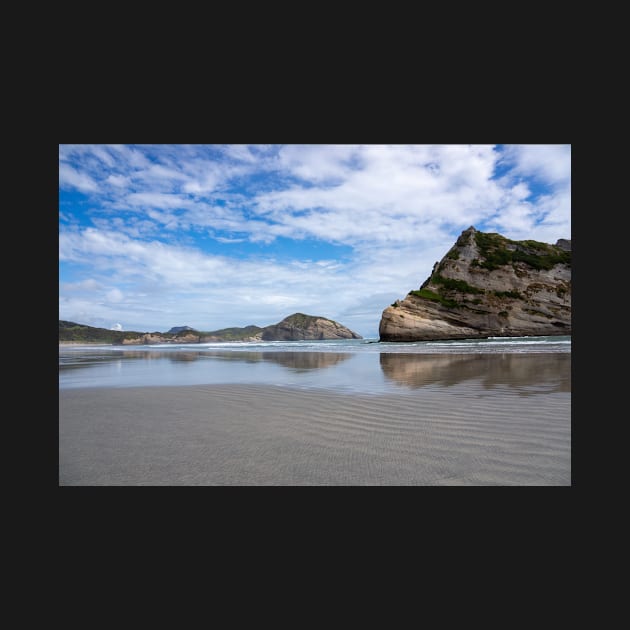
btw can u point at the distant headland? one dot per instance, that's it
(295, 327)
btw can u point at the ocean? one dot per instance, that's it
(353, 365)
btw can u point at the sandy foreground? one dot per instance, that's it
(272, 435)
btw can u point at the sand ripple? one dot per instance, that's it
(266, 435)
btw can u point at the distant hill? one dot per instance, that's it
(178, 329)
(71, 331)
(299, 326)
(293, 328)
(248, 333)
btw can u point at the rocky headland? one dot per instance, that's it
(487, 285)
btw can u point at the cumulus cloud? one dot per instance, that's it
(89, 284)
(240, 153)
(317, 163)
(115, 295)
(385, 194)
(549, 162)
(71, 178)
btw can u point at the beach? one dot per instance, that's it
(462, 420)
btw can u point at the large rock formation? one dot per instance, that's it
(299, 326)
(487, 285)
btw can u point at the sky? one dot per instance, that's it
(212, 236)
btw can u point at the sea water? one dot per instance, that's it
(353, 365)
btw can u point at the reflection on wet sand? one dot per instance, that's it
(302, 361)
(551, 371)
(299, 361)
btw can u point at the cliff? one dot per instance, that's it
(293, 328)
(487, 286)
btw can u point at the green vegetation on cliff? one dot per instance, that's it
(514, 295)
(498, 250)
(454, 285)
(427, 294)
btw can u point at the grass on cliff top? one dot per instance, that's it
(493, 248)
(454, 285)
(434, 297)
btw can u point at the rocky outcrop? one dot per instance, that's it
(299, 326)
(487, 285)
(178, 329)
(564, 244)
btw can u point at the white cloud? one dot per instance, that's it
(547, 217)
(223, 239)
(240, 152)
(391, 194)
(157, 200)
(89, 284)
(120, 181)
(104, 155)
(116, 327)
(127, 157)
(317, 163)
(71, 178)
(115, 295)
(549, 162)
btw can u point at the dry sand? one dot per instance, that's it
(269, 435)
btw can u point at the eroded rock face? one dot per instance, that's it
(485, 286)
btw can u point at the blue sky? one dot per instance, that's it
(209, 236)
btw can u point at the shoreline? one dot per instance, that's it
(365, 340)
(278, 435)
(85, 343)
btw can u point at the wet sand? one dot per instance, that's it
(465, 434)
